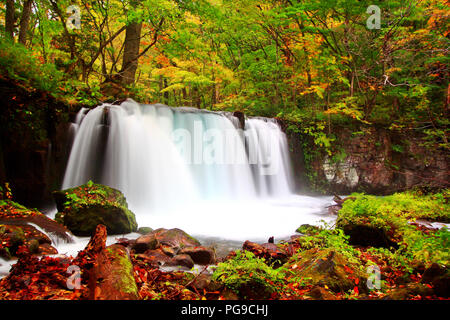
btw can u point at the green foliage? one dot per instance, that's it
(407, 205)
(395, 214)
(330, 238)
(245, 270)
(430, 248)
(19, 63)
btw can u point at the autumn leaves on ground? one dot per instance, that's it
(409, 255)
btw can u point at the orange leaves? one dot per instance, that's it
(163, 60)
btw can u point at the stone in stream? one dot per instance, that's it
(175, 238)
(182, 260)
(145, 242)
(200, 255)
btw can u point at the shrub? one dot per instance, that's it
(246, 274)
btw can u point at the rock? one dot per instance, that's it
(112, 278)
(201, 282)
(33, 246)
(155, 258)
(319, 293)
(409, 290)
(366, 235)
(144, 230)
(229, 294)
(334, 210)
(241, 117)
(82, 208)
(171, 252)
(146, 242)
(308, 229)
(439, 277)
(257, 249)
(182, 260)
(268, 251)
(175, 238)
(46, 249)
(200, 255)
(327, 267)
(14, 214)
(14, 236)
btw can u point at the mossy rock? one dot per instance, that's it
(327, 268)
(144, 230)
(82, 208)
(367, 235)
(308, 229)
(14, 214)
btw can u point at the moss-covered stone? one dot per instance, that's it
(308, 229)
(326, 268)
(144, 230)
(82, 208)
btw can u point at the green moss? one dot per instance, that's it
(395, 214)
(324, 267)
(126, 282)
(9, 206)
(247, 274)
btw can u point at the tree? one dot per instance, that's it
(10, 19)
(25, 21)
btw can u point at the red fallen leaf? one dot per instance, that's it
(356, 290)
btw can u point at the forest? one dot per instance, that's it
(358, 93)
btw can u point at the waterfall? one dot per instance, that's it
(159, 156)
(176, 163)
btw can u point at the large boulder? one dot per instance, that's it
(327, 268)
(82, 208)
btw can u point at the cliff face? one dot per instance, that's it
(33, 142)
(373, 160)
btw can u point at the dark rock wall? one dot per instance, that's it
(374, 160)
(33, 143)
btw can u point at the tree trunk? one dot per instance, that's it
(25, 21)
(10, 18)
(131, 53)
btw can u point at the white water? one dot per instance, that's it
(194, 170)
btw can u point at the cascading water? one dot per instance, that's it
(192, 169)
